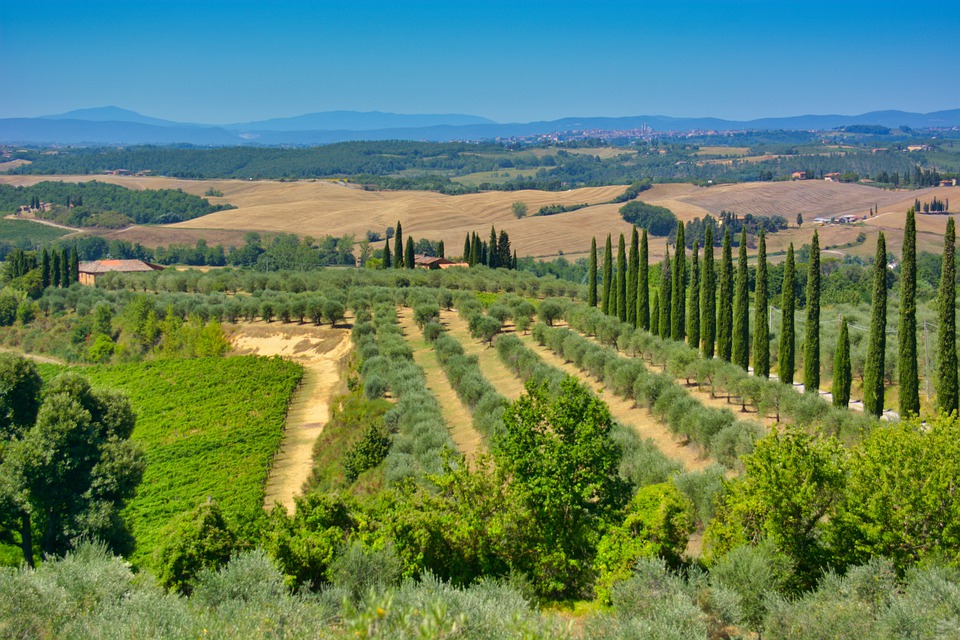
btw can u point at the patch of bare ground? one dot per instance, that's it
(503, 380)
(32, 356)
(455, 414)
(628, 413)
(323, 351)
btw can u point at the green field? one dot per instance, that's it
(209, 427)
(16, 231)
(494, 177)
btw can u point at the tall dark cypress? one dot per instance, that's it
(74, 266)
(466, 248)
(678, 288)
(387, 258)
(877, 342)
(592, 275)
(408, 254)
(708, 300)
(475, 250)
(45, 278)
(725, 306)
(607, 277)
(504, 255)
(398, 247)
(441, 250)
(665, 290)
(655, 313)
(841, 369)
(621, 280)
(64, 268)
(947, 392)
(786, 353)
(811, 342)
(632, 267)
(907, 329)
(643, 284)
(493, 257)
(693, 300)
(761, 330)
(55, 269)
(741, 306)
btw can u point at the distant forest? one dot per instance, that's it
(433, 166)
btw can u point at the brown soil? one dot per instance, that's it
(455, 414)
(628, 413)
(503, 380)
(323, 352)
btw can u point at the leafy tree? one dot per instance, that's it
(725, 306)
(786, 360)
(791, 482)
(708, 301)
(741, 304)
(592, 275)
(842, 376)
(632, 269)
(873, 374)
(557, 448)
(659, 221)
(907, 330)
(519, 209)
(665, 285)
(947, 392)
(761, 332)
(621, 280)
(69, 473)
(643, 284)
(196, 540)
(811, 342)
(678, 289)
(607, 277)
(693, 300)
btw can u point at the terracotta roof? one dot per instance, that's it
(120, 266)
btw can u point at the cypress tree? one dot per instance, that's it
(907, 330)
(655, 313)
(74, 266)
(708, 301)
(504, 257)
(761, 331)
(725, 306)
(607, 277)
(398, 247)
(484, 255)
(841, 369)
(811, 343)
(387, 258)
(947, 393)
(663, 321)
(592, 275)
(643, 284)
(64, 268)
(621, 280)
(514, 265)
(493, 257)
(441, 250)
(408, 254)
(678, 288)
(466, 248)
(475, 250)
(55, 269)
(741, 305)
(45, 269)
(632, 268)
(786, 354)
(693, 300)
(877, 342)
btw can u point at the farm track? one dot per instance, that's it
(455, 414)
(503, 380)
(625, 411)
(323, 352)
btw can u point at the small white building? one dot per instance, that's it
(822, 221)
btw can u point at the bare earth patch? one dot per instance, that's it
(458, 418)
(503, 380)
(323, 352)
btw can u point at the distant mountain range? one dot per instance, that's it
(113, 125)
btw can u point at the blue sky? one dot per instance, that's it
(217, 61)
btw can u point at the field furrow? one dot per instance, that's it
(503, 380)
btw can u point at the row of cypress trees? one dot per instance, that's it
(719, 324)
(59, 268)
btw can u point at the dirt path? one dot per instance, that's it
(32, 356)
(503, 380)
(14, 216)
(323, 352)
(625, 411)
(455, 414)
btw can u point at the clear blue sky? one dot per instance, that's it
(217, 61)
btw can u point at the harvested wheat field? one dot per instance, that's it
(323, 352)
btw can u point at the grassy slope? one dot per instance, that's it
(15, 230)
(209, 428)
